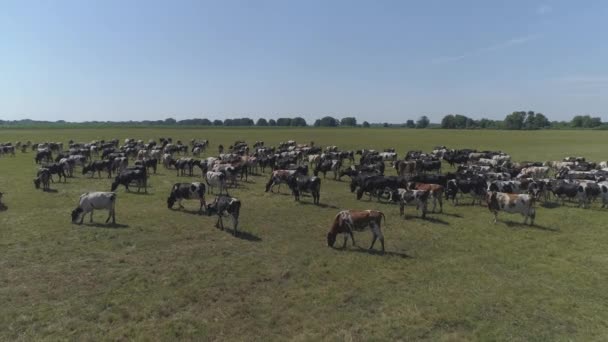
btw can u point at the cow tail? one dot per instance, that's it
(382, 216)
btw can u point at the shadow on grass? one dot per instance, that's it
(447, 214)
(188, 211)
(550, 205)
(52, 191)
(534, 226)
(105, 225)
(358, 249)
(243, 235)
(139, 193)
(320, 205)
(3, 207)
(427, 219)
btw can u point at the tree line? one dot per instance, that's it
(519, 120)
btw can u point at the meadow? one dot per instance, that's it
(163, 274)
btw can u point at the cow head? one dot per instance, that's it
(76, 214)
(115, 184)
(211, 208)
(331, 239)
(170, 201)
(37, 182)
(492, 200)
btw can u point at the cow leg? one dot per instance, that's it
(440, 204)
(179, 202)
(402, 209)
(495, 216)
(345, 240)
(109, 215)
(235, 223)
(217, 223)
(91, 217)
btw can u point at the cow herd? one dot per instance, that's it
(489, 177)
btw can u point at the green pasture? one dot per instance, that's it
(170, 275)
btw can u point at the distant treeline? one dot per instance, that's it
(515, 121)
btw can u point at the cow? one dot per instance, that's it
(534, 172)
(224, 205)
(43, 155)
(511, 203)
(91, 201)
(187, 191)
(98, 165)
(435, 190)
(388, 156)
(56, 169)
(475, 186)
(377, 185)
(328, 165)
(347, 221)
(216, 179)
(278, 177)
(428, 165)
(299, 183)
(43, 178)
(405, 168)
(126, 177)
(148, 163)
(405, 196)
(563, 190)
(603, 193)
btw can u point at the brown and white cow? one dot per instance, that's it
(435, 190)
(278, 177)
(404, 167)
(511, 203)
(348, 220)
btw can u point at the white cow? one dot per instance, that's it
(94, 201)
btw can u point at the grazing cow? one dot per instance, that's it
(216, 179)
(126, 177)
(120, 163)
(299, 183)
(348, 221)
(95, 201)
(148, 163)
(278, 177)
(98, 165)
(43, 177)
(511, 203)
(56, 169)
(388, 156)
(187, 191)
(405, 196)
(224, 205)
(435, 191)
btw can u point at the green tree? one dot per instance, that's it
(410, 124)
(283, 122)
(448, 121)
(515, 120)
(298, 122)
(365, 124)
(348, 121)
(329, 121)
(170, 121)
(261, 122)
(317, 123)
(218, 123)
(423, 122)
(272, 123)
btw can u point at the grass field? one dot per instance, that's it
(165, 275)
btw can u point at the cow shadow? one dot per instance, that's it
(320, 205)
(243, 235)
(378, 252)
(188, 211)
(426, 219)
(448, 214)
(141, 193)
(51, 191)
(550, 205)
(3, 207)
(105, 225)
(534, 226)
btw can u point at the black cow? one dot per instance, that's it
(98, 166)
(299, 184)
(428, 165)
(476, 187)
(149, 163)
(131, 175)
(225, 205)
(43, 156)
(377, 185)
(56, 169)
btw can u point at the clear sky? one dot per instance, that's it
(377, 60)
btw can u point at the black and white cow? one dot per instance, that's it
(511, 203)
(216, 180)
(91, 201)
(98, 166)
(187, 191)
(405, 197)
(43, 178)
(225, 206)
(298, 184)
(134, 175)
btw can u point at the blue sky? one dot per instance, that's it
(377, 60)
